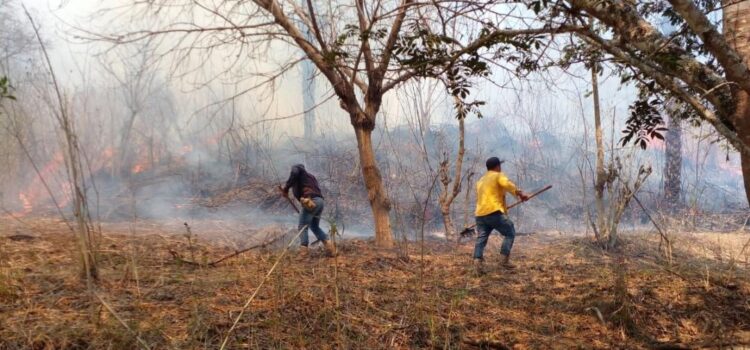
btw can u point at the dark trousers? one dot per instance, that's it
(495, 221)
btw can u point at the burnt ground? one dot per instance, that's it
(566, 293)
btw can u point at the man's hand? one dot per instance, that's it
(522, 196)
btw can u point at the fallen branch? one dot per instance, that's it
(177, 257)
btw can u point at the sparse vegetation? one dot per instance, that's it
(567, 293)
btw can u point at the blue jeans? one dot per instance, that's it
(311, 218)
(495, 221)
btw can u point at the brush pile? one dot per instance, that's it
(258, 194)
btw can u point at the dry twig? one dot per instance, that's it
(216, 262)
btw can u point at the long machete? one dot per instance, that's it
(468, 231)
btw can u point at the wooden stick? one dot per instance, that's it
(215, 263)
(545, 188)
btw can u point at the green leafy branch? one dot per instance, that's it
(5, 89)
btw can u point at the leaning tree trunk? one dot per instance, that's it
(379, 202)
(736, 18)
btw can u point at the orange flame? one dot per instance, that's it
(35, 194)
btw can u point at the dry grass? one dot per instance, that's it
(373, 299)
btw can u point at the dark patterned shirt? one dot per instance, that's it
(302, 183)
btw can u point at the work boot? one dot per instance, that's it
(479, 266)
(330, 247)
(506, 262)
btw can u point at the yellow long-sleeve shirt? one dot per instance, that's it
(491, 190)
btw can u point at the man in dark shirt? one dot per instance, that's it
(305, 188)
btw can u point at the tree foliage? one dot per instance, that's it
(442, 57)
(645, 122)
(670, 49)
(5, 89)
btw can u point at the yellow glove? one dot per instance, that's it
(307, 203)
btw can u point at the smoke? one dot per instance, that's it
(163, 149)
(174, 169)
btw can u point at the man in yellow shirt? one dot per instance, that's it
(491, 212)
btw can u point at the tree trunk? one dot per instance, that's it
(600, 174)
(673, 165)
(379, 202)
(449, 194)
(742, 115)
(469, 188)
(450, 231)
(736, 17)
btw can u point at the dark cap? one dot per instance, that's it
(493, 162)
